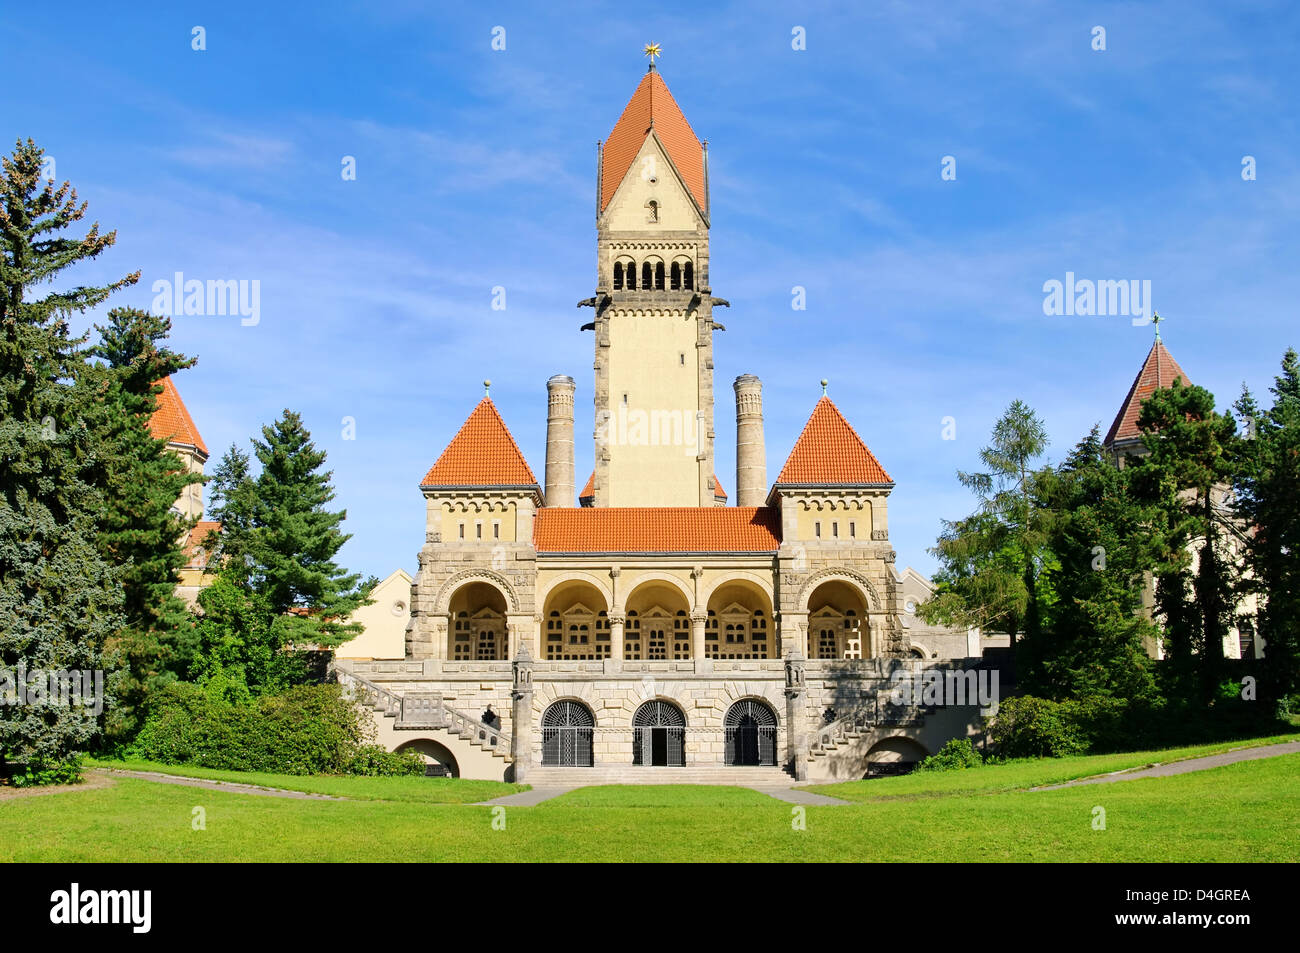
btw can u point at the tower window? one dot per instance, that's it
(688, 276)
(853, 529)
(647, 276)
(629, 276)
(462, 530)
(496, 529)
(478, 530)
(817, 529)
(618, 276)
(659, 276)
(835, 529)
(653, 206)
(675, 277)
(681, 358)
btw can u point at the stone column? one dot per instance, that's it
(796, 696)
(521, 713)
(560, 486)
(751, 457)
(794, 633)
(616, 620)
(699, 624)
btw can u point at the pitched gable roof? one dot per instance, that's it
(652, 106)
(171, 421)
(657, 529)
(1158, 370)
(483, 453)
(829, 452)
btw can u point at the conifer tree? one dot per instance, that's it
(140, 529)
(59, 597)
(1190, 465)
(279, 585)
(1098, 536)
(1269, 503)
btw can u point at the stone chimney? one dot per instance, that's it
(560, 488)
(751, 454)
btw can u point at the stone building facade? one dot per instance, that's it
(643, 623)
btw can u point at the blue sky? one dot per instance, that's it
(924, 296)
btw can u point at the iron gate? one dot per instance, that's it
(659, 735)
(750, 728)
(566, 735)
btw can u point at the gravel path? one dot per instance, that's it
(1184, 767)
(230, 786)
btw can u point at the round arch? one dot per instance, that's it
(848, 576)
(740, 623)
(897, 754)
(575, 623)
(657, 619)
(442, 602)
(749, 728)
(659, 734)
(437, 758)
(568, 726)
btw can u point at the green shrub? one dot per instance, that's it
(31, 774)
(310, 729)
(1029, 727)
(955, 755)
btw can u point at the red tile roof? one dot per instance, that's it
(830, 452)
(197, 546)
(171, 421)
(657, 529)
(483, 453)
(652, 104)
(1158, 370)
(589, 489)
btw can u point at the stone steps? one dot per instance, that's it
(635, 774)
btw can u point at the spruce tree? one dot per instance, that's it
(1190, 465)
(140, 529)
(59, 597)
(1269, 503)
(279, 585)
(1094, 644)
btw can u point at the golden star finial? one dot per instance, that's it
(652, 50)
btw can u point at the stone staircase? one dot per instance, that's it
(845, 733)
(425, 711)
(773, 777)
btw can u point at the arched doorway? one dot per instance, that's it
(438, 761)
(659, 735)
(750, 728)
(478, 624)
(567, 729)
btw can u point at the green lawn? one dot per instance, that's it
(417, 789)
(1017, 775)
(1245, 811)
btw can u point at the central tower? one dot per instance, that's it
(654, 311)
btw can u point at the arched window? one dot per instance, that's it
(659, 276)
(688, 276)
(629, 275)
(618, 276)
(675, 277)
(647, 276)
(653, 206)
(567, 729)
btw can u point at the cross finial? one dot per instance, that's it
(1156, 319)
(652, 50)
(824, 383)
(487, 388)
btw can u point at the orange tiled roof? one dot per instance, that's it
(1158, 370)
(197, 546)
(589, 489)
(483, 453)
(171, 421)
(652, 104)
(829, 451)
(657, 529)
